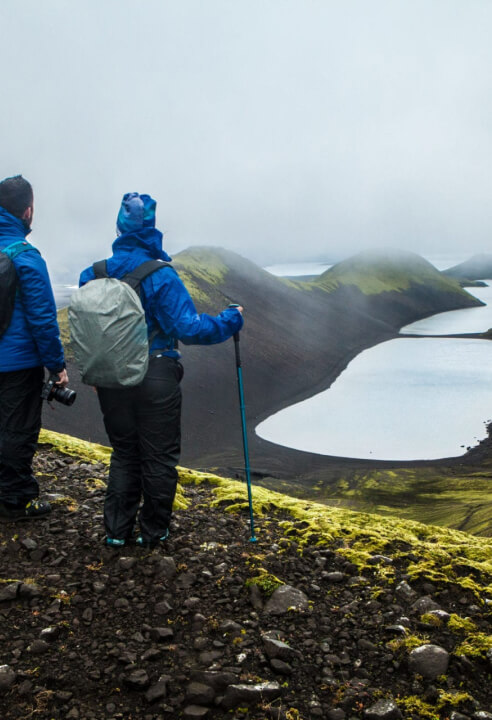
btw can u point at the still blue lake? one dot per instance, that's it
(469, 320)
(405, 399)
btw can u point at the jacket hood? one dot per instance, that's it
(12, 226)
(148, 239)
(136, 213)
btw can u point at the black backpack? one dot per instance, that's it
(9, 281)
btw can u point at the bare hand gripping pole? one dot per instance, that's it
(243, 424)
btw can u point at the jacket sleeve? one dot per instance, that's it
(39, 306)
(86, 276)
(176, 314)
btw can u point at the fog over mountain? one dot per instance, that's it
(282, 130)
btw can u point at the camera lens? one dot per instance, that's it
(64, 395)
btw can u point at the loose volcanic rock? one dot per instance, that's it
(336, 714)
(7, 677)
(199, 694)
(430, 661)
(238, 695)
(216, 679)
(284, 599)
(405, 592)
(38, 647)
(383, 710)
(195, 712)
(9, 592)
(179, 632)
(162, 608)
(49, 634)
(160, 634)
(137, 680)
(278, 649)
(424, 605)
(158, 691)
(126, 563)
(165, 567)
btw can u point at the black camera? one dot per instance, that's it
(51, 391)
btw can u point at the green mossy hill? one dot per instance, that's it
(454, 497)
(202, 270)
(441, 555)
(478, 267)
(374, 272)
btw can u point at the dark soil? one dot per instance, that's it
(92, 633)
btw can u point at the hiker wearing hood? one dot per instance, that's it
(143, 422)
(30, 341)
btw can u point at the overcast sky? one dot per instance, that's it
(281, 129)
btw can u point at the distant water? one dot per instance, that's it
(297, 269)
(468, 320)
(62, 294)
(405, 399)
(440, 262)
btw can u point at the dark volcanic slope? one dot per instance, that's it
(297, 338)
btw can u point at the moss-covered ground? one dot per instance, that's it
(442, 555)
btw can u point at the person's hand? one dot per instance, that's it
(62, 378)
(240, 308)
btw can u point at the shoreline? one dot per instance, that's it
(266, 458)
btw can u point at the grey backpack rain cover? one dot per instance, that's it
(108, 330)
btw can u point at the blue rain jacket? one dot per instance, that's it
(169, 310)
(32, 338)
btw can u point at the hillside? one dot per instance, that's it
(330, 614)
(297, 338)
(478, 267)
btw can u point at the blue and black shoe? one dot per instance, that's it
(114, 542)
(141, 542)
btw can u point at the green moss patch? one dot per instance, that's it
(375, 272)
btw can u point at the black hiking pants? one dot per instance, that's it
(20, 423)
(144, 426)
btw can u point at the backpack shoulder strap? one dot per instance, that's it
(100, 269)
(18, 247)
(135, 277)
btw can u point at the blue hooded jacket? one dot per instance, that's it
(33, 337)
(169, 310)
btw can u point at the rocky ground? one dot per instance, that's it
(212, 625)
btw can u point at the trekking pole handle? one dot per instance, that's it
(236, 339)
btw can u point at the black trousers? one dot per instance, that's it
(144, 426)
(20, 423)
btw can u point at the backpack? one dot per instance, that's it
(8, 280)
(107, 327)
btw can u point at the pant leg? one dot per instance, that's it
(124, 485)
(159, 429)
(20, 423)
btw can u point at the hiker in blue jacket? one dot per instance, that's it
(144, 422)
(30, 343)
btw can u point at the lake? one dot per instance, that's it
(62, 294)
(469, 320)
(405, 399)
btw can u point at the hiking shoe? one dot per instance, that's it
(151, 543)
(32, 510)
(114, 542)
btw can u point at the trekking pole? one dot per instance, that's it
(243, 425)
